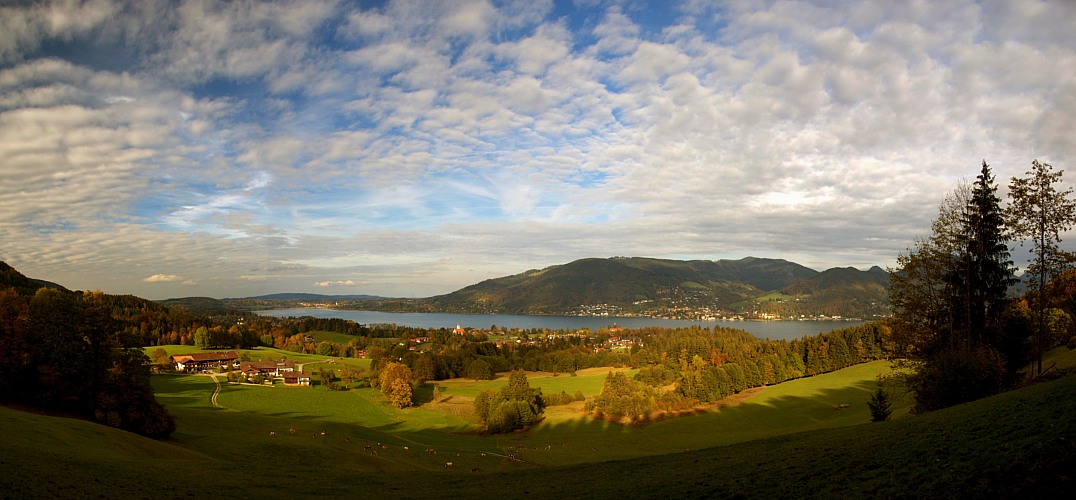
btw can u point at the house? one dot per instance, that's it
(275, 369)
(296, 378)
(200, 361)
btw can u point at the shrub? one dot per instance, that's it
(957, 375)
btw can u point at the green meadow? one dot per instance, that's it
(792, 439)
(566, 436)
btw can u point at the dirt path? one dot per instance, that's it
(216, 391)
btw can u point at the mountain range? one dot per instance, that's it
(749, 287)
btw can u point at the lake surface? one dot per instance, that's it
(774, 330)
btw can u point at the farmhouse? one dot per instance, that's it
(296, 378)
(204, 361)
(267, 368)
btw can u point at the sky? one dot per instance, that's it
(411, 148)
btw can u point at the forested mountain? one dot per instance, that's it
(668, 288)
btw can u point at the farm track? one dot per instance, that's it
(213, 398)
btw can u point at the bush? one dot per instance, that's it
(957, 375)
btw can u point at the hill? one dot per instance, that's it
(666, 288)
(10, 277)
(1016, 444)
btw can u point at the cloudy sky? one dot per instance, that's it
(410, 148)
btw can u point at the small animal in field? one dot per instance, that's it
(291, 431)
(373, 452)
(448, 465)
(272, 433)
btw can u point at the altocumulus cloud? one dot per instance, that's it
(259, 147)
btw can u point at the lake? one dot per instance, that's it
(774, 330)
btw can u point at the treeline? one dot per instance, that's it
(67, 351)
(707, 365)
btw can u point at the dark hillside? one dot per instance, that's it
(1014, 445)
(11, 278)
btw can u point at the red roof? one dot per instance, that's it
(205, 356)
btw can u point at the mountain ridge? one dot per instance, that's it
(688, 289)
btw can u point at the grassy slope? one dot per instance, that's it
(1020, 443)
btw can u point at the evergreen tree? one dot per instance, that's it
(879, 406)
(948, 295)
(988, 272)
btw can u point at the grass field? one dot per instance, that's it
(784, 440)
(566, 436)
(1018, 444)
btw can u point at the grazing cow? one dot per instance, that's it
(373, 452)
(366, 447)
(406, 448)
(322, 433)
(483, 453)
(272, 433)
(291, 431)
(448, 465)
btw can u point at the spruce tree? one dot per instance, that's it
(987, 272)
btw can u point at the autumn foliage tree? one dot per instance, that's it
(1040, 212)
(395, 382)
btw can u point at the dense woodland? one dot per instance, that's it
(65, 351)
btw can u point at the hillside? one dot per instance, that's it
(1016, 444)
(666, 288)
(10, 277)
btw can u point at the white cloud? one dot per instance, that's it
(261, 147)
(335, 283)
(162, 278)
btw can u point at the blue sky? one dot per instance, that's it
(410, 148)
